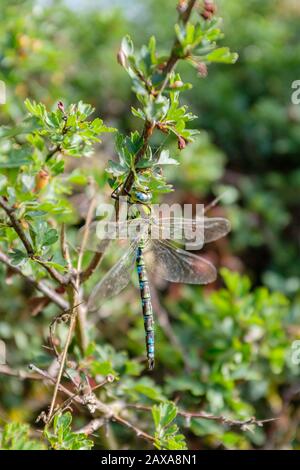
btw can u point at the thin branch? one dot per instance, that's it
(82, 310)
(93, 265)
(39, 285)
(85, 237)
(20, 374)
(10, 211)
(52, 153)
(65, 247)
(104, 409)
(91, 427)
(243, 424)
(17, 226)
(56, 276)
(136, 430)
(185, 15)
(64, 353)
(77, 314)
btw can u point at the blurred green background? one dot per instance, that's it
(229, 347)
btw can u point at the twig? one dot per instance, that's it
(185, 16)
(243, 424)
(39, 285)
(85, 275)
(76, 313)
(56, 276)
(91, 427)
(17, 226)
(104, 409)
(82, 337)
(65, 248)
(20, 374)
(82, 311)
(93, 265)
(64, 353)
(63, 317)
(85, 237)
(10, 211)
(131, 426)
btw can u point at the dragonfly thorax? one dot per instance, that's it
(143, 196)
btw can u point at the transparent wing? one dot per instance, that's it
(204, 229)
(116, 279)
(177, 265)
(102, 232)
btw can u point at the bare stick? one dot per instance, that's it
(94, 263)
(64, 353)
(243, 424)
(82, 311)
(17, 226)
(20, 374)
(56, 276)
(85, 237)
(91, 427)
(65, 248)
(106, 410)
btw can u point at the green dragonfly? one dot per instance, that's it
(149, 251)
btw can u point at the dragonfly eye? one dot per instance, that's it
(143, 197)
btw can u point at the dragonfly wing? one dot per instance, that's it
(116, 279)
(100, 233)
(202, 229)
(177, 265)
(215, 228)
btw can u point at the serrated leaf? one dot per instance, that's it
(18, 256)
(50, 237)
(222, 55)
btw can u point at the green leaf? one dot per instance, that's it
(62, 437)
(16, 158)
(3, 182)
(50, 237)
(222, 55)
(166, 435)
(127, 46)
(163, 414)
(18, 257)
(15, 436)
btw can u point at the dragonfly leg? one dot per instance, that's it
(115, 194)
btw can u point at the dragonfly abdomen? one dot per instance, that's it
(146, 304)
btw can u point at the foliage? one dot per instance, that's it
(166, 434)
(15, 436)
(63, 438)
(226, 349)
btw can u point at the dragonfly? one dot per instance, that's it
(157, 255)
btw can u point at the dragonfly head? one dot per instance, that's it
(142, 196)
